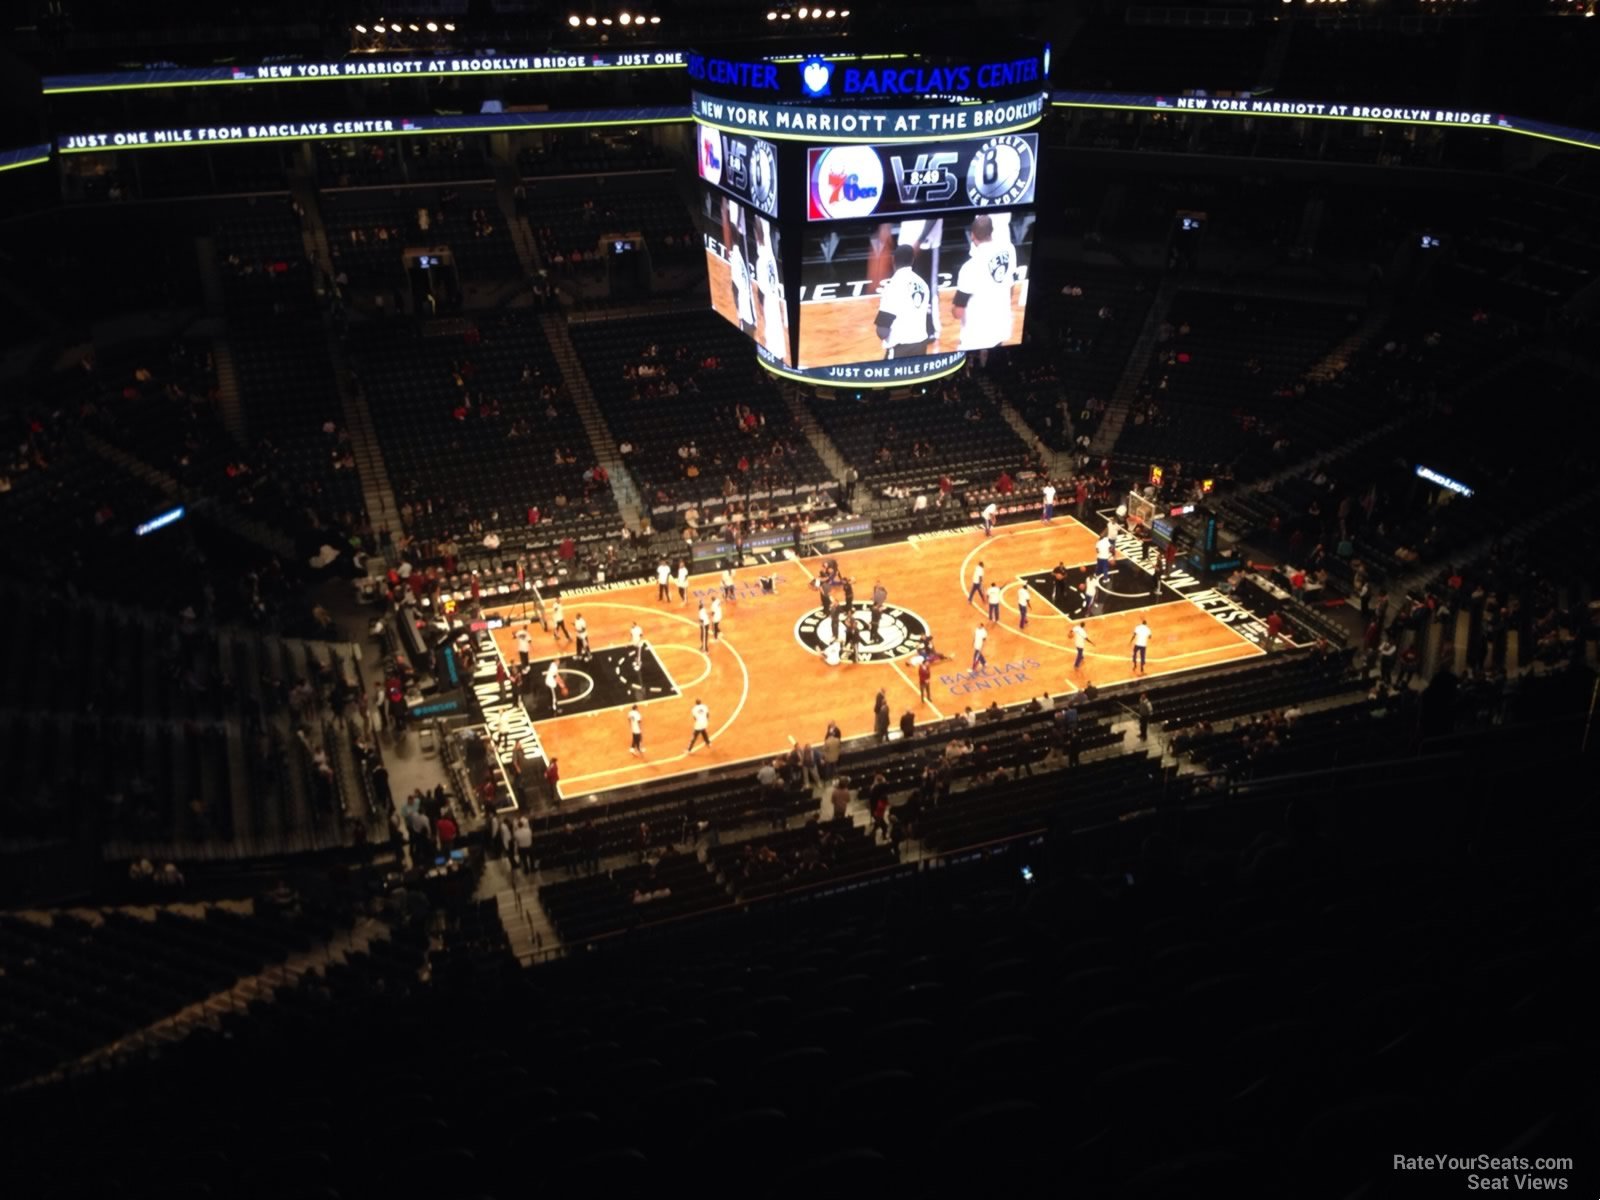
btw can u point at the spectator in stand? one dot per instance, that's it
(832, 747)
(421, 831)
(445, 829)
(878, 796)
(839, 798)
(1387, 652)
(1274, 629)
(522, 836)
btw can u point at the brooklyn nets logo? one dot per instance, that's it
(1000, 266)
(1001, 172)
(900, 632)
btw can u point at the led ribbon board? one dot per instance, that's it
(861, 123)
(24, 156)
(222, 134)
(361, 68)
(1317, 110)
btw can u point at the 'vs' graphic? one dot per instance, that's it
(929, 181)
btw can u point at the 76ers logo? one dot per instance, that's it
(846, 181)
(900, 632)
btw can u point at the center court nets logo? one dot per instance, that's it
(900, 632)
(846, 181)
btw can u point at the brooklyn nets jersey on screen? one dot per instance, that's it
(906, 297)
(743, 299)
(986, 278)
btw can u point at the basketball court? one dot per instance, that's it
(842, 331)
(766, 681)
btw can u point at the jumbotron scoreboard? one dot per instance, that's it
(868, 220)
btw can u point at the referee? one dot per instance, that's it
(905, 316)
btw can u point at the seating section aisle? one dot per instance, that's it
(667, 886)
(368, 232)
(1211, 1009)
(950, 429)
(478, 432)
(706, 425)
(570, 217)
(72, 984)
(1229, 365)
(286, 378)
(1062, 381)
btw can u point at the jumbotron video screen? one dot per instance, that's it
(744, 261)
(887, 290)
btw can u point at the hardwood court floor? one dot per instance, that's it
(721, 275)
(843, 331)
(762, 686)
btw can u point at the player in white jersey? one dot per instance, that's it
(744, 301)
(774, 313)
(702, 726)
(552, 680)
(905, 322)
(983, 288)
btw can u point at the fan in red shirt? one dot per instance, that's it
(445, 830)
